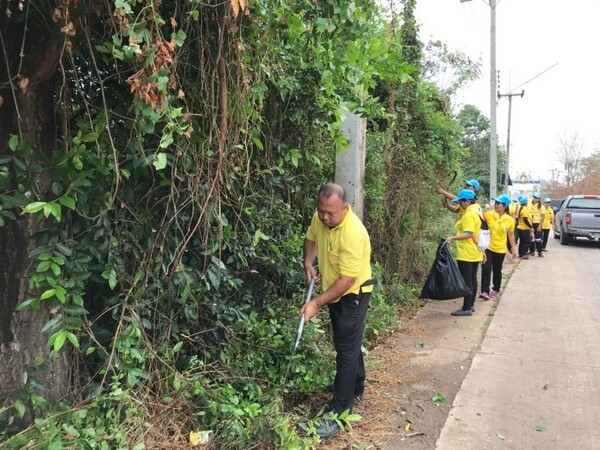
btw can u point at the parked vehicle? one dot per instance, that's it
(577, 216)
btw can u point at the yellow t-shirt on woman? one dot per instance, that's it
(499, 226)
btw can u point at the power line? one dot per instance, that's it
(528, 81)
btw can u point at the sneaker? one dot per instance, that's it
(494, 294)
(525, 257)
(544, 250)
(532, 253)
(472, 309)
(484, 295)
(462, 312)
(327, 428)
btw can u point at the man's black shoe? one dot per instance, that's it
(462, 312)
(327, 428)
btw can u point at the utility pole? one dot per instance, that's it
(493, 131)
(510, 97)
(493, 89)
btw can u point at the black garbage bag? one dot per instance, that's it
(444, 281)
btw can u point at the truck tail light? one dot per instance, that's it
(568, 218)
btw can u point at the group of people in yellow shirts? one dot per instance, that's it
(531, 218)
(534, 221)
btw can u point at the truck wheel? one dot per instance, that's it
(564, 239)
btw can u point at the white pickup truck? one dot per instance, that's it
(577, 216)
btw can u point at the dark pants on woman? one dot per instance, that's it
(468, 270)
(524, 241)
(537, 244)
(493, 265)
(348, 317)
(546, 233)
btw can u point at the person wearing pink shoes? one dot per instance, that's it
(502, 229)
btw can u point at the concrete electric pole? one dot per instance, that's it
(493, 89)
(506, 172)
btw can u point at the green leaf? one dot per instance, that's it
(540, 428)
(34, 207)
(43, 266)
(32, 303)
(160, 161)
(56, 210)
(13, 142)
(180, 38)
(166, 140)
(258, 143)
(90, 137)
(55, 269)
(58, 339)
(438, 398)
(20, 408)
(90, 350)
(500, 436)
(48, 294)
(177, 346)
(68, 202)
(73, 339)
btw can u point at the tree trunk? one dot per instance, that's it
(29, 112)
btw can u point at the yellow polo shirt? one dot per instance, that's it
(536, 213)
(525, 212)
(470, 221)
(343, 250)
(499, 226)
(548, 219)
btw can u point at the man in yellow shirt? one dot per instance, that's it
(538, 215)
(339, 241)
(548, 222)
(468, 255)
(524, 227)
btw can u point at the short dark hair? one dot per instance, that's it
(329, 189)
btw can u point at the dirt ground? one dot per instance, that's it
(429, 355)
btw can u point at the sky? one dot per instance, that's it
(531, 36)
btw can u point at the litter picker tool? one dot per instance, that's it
(299, 331)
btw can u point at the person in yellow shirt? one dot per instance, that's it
(339, 241)
(524, 227)
(468, 256)
(548, 223)
(502, 228)
(538, 215)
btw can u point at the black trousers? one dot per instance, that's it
(468, 270)
(493, 265)
(546, 234)
(537, 244)
(524, 241)
(348, 318)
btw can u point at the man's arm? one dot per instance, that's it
(335, 291)
(310, 254)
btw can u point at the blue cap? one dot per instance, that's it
(473, 183)
(537, 195)
(547, 200)
(523, 200)
(504, 199)
(465, 194)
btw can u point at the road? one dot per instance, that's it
(534, 383)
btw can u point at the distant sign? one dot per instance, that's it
(524, 178)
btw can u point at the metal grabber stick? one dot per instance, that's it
(299, 331)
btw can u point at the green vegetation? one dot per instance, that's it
(170, 196)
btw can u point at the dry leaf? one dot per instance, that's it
(407, 427)
(173, 22)
(180, 94)
(243, 5)
(235, 7)
(23, 84)
(1, 101)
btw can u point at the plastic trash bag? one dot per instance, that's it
(444, 281)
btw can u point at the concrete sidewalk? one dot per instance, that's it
(534, 383)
